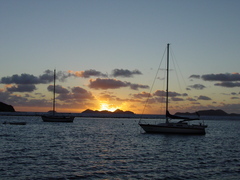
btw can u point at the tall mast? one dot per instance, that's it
(167, 82)
(54, 82)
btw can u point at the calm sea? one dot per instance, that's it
(91, 148)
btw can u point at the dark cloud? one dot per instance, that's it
(226, 80)
(221, 77)
(195, 76)
(9, 98)
(235, 98)
(81, 93)
(204, 98)
(228, 84)
(58, 89)
(125, 73)
(136, 86)
(88, 73)
(170, 94)
(4, 95)
(198, 86)
(22, 79)
(106, 84)
(22, 88)
(142, 95)
(113, 84)
(17, 100)
(177, 99)
(77, 93)
(159, 93)
(46, 77)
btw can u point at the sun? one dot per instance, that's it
(105, 106)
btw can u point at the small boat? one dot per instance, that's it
(15, 123)
(180, 127)
(53, 116)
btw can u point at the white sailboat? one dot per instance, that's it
(54, 117)
(180, 127)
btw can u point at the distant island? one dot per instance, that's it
(210, 112)
(118, 111)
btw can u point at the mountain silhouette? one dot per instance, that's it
(118, 111)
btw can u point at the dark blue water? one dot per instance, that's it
(115, 149)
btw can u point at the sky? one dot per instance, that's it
(107, 54)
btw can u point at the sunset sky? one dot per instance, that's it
(107, 53)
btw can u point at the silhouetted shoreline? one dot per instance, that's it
(206, 115)
(8, 110)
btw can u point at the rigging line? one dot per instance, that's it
(180, 72)
(176, 69)
(153, 82)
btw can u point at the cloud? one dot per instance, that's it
(9, 98)
(4, 95)
(58, 89)
(125, 73)
(142, 95)
(136, 86)
(81, 93)
(22, 79)
(22, 88)
(159, 93)
(226, 80)
(113, 84)
(228, 84)
(106, 84)
(221, 77)
(195, 76)
(77, 93)
(204, 98)
(191, 99)
(46, 77)
(170, 94)
(88, 73)
(235, 98)
(177, 99)
(198, 86)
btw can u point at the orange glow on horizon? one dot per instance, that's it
(108, 107)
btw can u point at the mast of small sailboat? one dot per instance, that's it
(54, 82)
(167, 82)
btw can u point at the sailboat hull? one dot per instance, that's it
(174, 128)
(64, 119)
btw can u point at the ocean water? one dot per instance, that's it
(92, 148)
